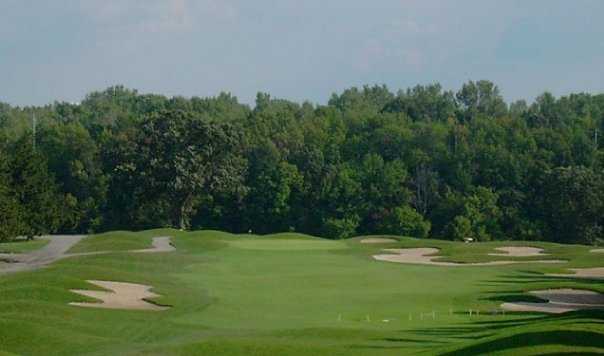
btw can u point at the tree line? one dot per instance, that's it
(422, 162)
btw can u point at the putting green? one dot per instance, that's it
(295, 295)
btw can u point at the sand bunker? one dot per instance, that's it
(598, 250)
(128, 296)
(427, 256)
(377, 240)
(160, 244)
(412, 255)
(515, 251)
(559, 301)
(590, 273)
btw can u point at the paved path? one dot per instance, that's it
(53, 251)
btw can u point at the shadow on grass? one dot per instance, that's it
(482, 337)
(514, 298)
(393, 343)
(415, 341)
(532, 330)
(573, 354)
(563, 336)
(524, 280)
(522, 277)
(559, 337)
(379, 347)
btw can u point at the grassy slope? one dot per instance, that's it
(22, 246)
(290, 294)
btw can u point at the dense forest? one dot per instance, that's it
(423, 162)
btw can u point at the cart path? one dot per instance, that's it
(54, 250)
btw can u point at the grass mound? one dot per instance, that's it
(22, 246)
(291, 294)
(286, 245)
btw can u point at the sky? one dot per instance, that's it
(60, 50)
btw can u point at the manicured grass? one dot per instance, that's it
(262, 244)
(22, 246)
(292, 294)
(118, 241)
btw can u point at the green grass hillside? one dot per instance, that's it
(22, 246)
(291, 294)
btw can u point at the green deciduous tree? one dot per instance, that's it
(367, 162)
(73, 158)
(11, 213)
(481, 97)
(35, 191)
(405, 221)
(479, 216)
(272, 184)
(571, 201)
(341, 228)
(178, 157)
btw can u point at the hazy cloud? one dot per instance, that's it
(134, 15)
(63, 49)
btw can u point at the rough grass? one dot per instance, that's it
(292, 294)
(22, 246)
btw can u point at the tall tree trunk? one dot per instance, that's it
(183, 210)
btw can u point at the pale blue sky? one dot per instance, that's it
(305, 49)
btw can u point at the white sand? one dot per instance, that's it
(128, 296)
(598, 250)
(427, 256)
(559, 301)
(590, 273)
(377, 240)
(517, 251)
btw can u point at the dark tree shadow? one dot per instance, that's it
(559, 337)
